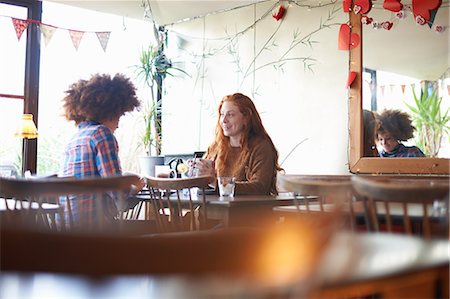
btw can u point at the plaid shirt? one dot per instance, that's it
(402, 151)
(92, 151)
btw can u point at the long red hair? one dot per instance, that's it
(252, 128)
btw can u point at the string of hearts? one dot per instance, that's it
(424, 12)
(48, 31)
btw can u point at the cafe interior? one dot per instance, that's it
(345, 223)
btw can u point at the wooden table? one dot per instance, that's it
(415, 211)
(354, 265)
(241, 210)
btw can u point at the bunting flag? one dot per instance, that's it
(448, 89)
(76, 37)
(382, 89)
(403, 86)
(47, 32)
(103, 38)
(19, 26)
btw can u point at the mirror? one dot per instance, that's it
(376, 52)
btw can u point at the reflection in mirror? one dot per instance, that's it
(403, 64)
(398, 61)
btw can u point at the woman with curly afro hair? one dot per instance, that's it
(96, 106)
(394, 127)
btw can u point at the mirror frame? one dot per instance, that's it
(375, 165)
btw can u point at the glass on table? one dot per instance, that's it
(199, 166)
(226, 186)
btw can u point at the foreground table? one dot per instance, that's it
(354, 265)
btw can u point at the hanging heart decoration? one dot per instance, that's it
(392, 5)
(351, 78)
(346, 5)
(347, 40)
(279, 15)
(362, 6)
(423, 10)
(387, 25)
(366, 20)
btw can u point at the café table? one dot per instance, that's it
(352, 266)
(415, 212)
(240, 210)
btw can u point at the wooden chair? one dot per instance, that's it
(404, 204)
(177, 203)
(65, 203)
(320, 194)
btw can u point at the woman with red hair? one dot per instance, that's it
(242, 148)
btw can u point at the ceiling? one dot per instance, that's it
(163, 11)
(430, 49)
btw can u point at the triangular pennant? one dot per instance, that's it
(382, 89)
(76, 37)
(47, 32)
(103, 38)
(19, 26)
(391, 87)
(448, 89)
(403, 88)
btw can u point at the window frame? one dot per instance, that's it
(31, 82)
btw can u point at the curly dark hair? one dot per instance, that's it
(396, 123)
(100, 99)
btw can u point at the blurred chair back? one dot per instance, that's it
(64, 203)
(407, 205)
(321, 194)
(177, 203)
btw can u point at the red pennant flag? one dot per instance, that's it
(103, 38)
(76, 37)
(19, 26)
(403, 88)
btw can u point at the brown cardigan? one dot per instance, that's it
(257, 175)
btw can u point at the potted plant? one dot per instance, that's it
(153, 67)
(431, 123)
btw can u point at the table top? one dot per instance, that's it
(350, 259)
(238, 200)
(395, 209)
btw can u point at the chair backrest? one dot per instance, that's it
(64, 203)
(404, 204)
(177, 204)
(322, 194)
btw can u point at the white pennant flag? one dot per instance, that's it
(47, 32)
(103, 38)
(76, 37)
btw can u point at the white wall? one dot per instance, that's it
(294, 103)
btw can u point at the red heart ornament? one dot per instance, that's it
(351, 78)
(347, 40)
(280, 13)
(392, 5)
(346, 5)
(423, 8)
(364, 5)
